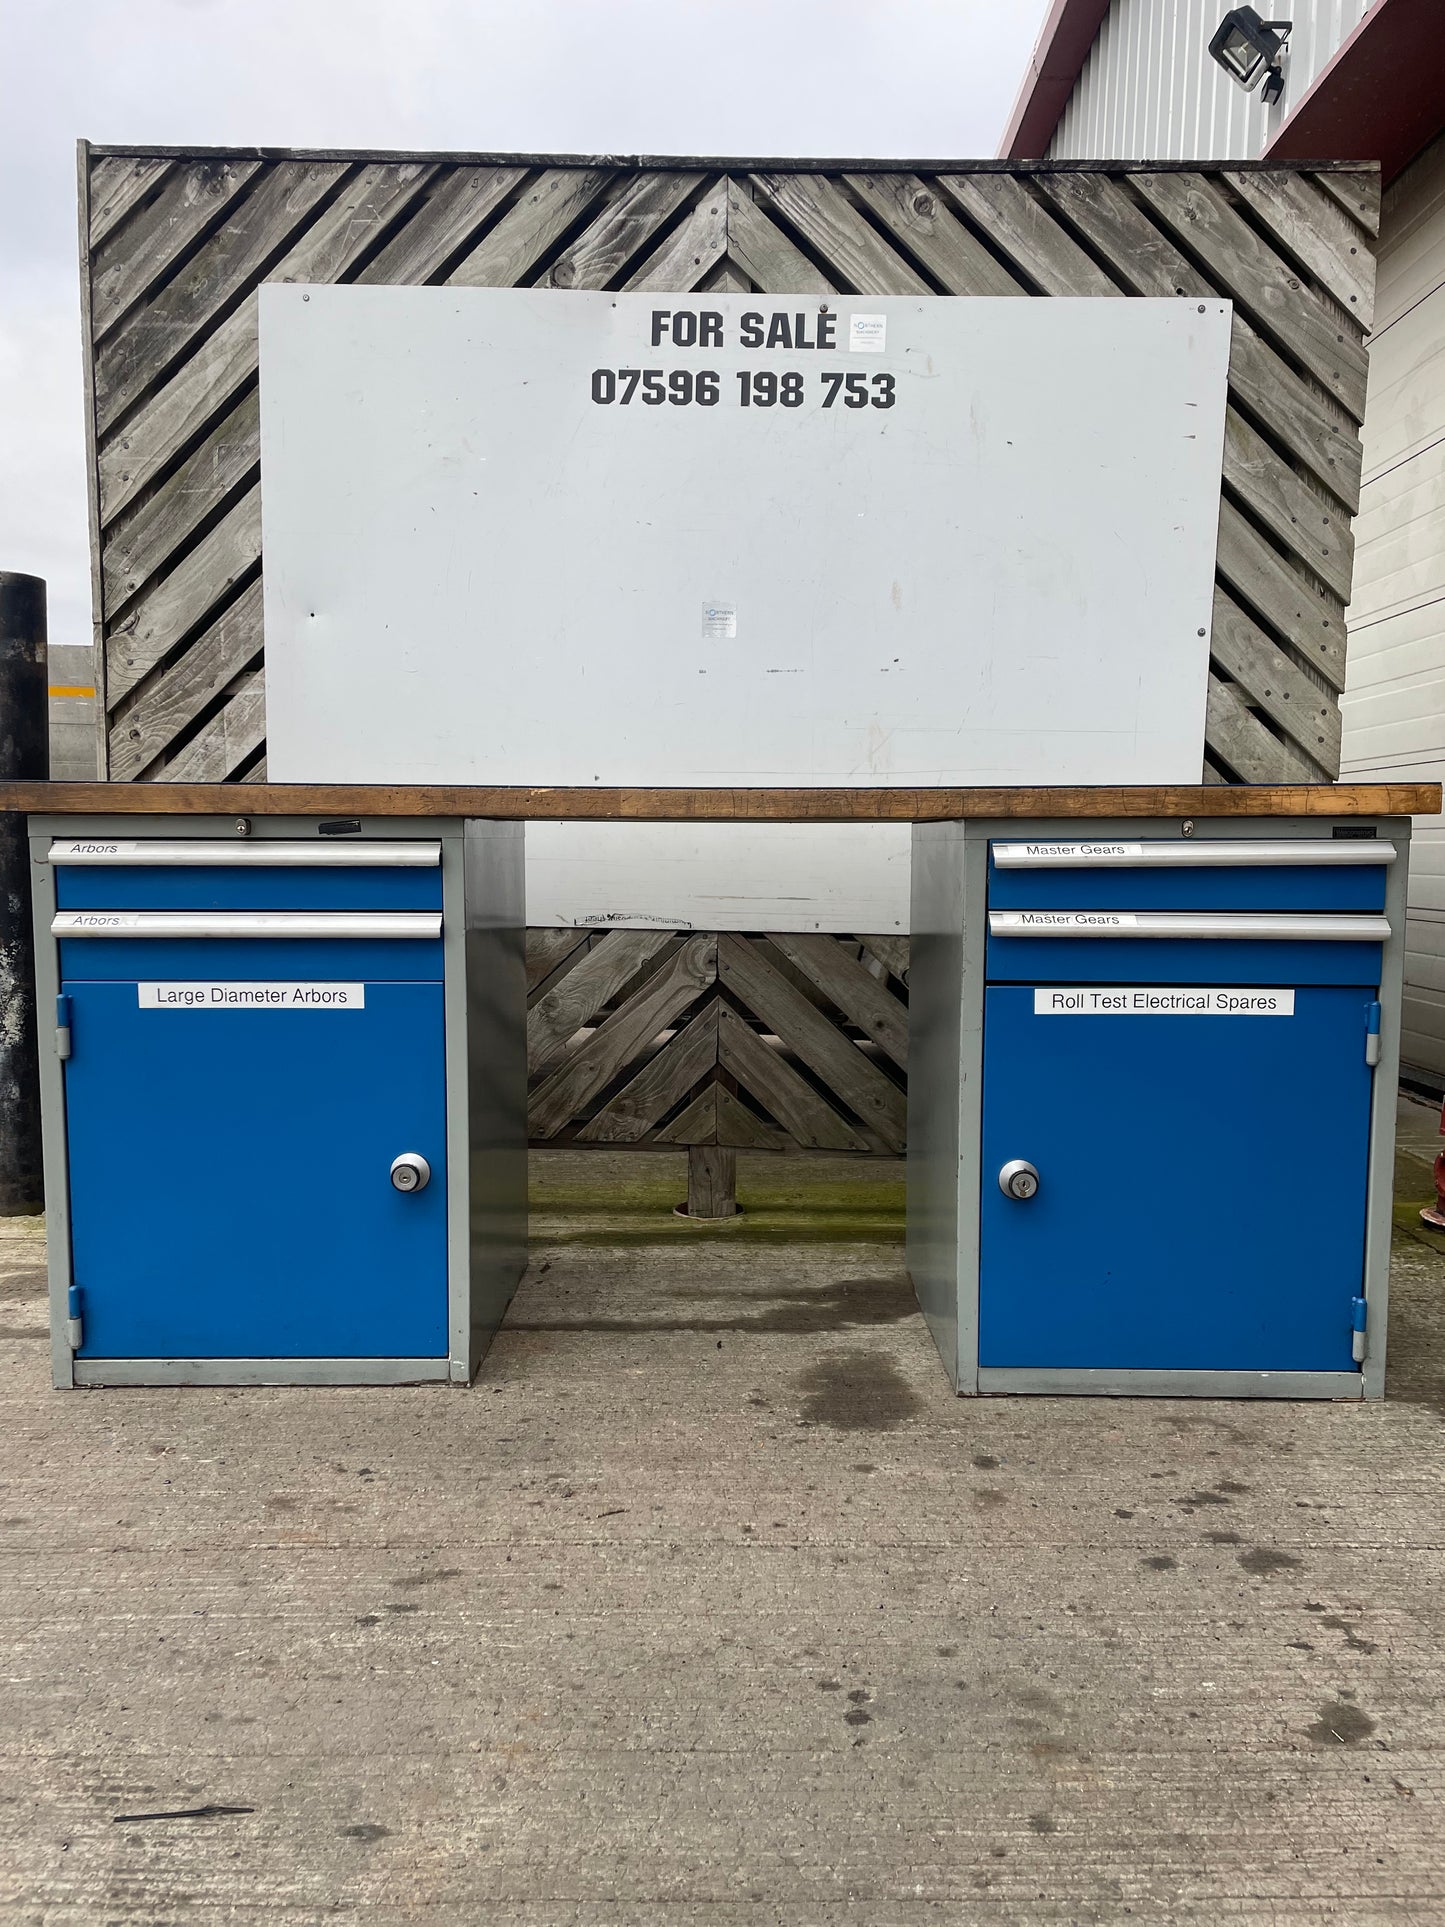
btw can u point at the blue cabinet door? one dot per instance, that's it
(1201, 1200)
(230, 1182)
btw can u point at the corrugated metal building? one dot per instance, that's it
(1148, 89)
(1133, 80)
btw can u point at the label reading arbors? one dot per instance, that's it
(68, 849)
(251, 996)
(1161, 1000)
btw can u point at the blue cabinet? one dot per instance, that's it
(285, 1111)
(1201, 1199)
(230, 1190)
(1150, 1135)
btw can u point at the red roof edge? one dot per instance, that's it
(1054, 65)
(1380, 98)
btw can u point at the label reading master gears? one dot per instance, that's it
(762, 384)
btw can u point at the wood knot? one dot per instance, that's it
(923, 204)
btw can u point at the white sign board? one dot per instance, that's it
(589, 538)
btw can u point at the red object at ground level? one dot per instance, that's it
(1435, 1215)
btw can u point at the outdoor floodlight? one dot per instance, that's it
(1248, 49)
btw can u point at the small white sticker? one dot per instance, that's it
(1160, 1000)
(867, 334)
(719, 621)
(68, 851)
(251, 996)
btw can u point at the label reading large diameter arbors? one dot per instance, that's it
(251, 996)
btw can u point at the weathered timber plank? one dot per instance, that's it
(919, 216)
(715, 1116)
(125, 267)
(664, 996)
(1021, 227)
(844, 982)
(737, 1126)
(1358, 193)
(218, 367)
(1249, 657)
(682, 1062)
(1319, 436)
(594, 804)
(260, 225)
(712, 1182)
(627, 222)
(1317, 231)
(1322, 540)
(139, 544)
(1255, 276)
(765, 253)
(176, 603)
(530, 228)
(696, 1123)
(1316, 431)
(1310, 619)
(92, 479)
(223, 744)
(855, 252)
(441, 225)
(1239, 739)
(690, 252)
(117, 185)
(548, 950)
(726, 278)
(891, 952)
(162, 709)
(609, 965)
(783, 1094)
(841, 1065)
(203, 385)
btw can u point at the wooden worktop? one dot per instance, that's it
(718, 805)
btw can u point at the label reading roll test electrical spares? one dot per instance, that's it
(1160, 1000)
(251, 996)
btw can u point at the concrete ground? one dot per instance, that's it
(709, 1603)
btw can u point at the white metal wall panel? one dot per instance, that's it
(1394, 705)
(1149, 91)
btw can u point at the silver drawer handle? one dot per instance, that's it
(247, 923)
(1118, 854)
(1246, 925)
(282, 854)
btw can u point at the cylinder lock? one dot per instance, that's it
(1018, 1179)
(410, 1172)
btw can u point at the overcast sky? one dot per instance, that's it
(853, 78)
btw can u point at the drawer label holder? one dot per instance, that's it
(1161, 1000)
(251, 996)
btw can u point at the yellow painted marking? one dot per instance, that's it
(72, 689)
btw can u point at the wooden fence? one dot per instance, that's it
(175, 244)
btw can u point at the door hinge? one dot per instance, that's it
(62, 1027)
(1359, 1315)
(1372, 1033)
(75, 1325)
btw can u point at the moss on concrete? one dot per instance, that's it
(625, 1198)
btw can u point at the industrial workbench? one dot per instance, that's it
(1119, 997)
